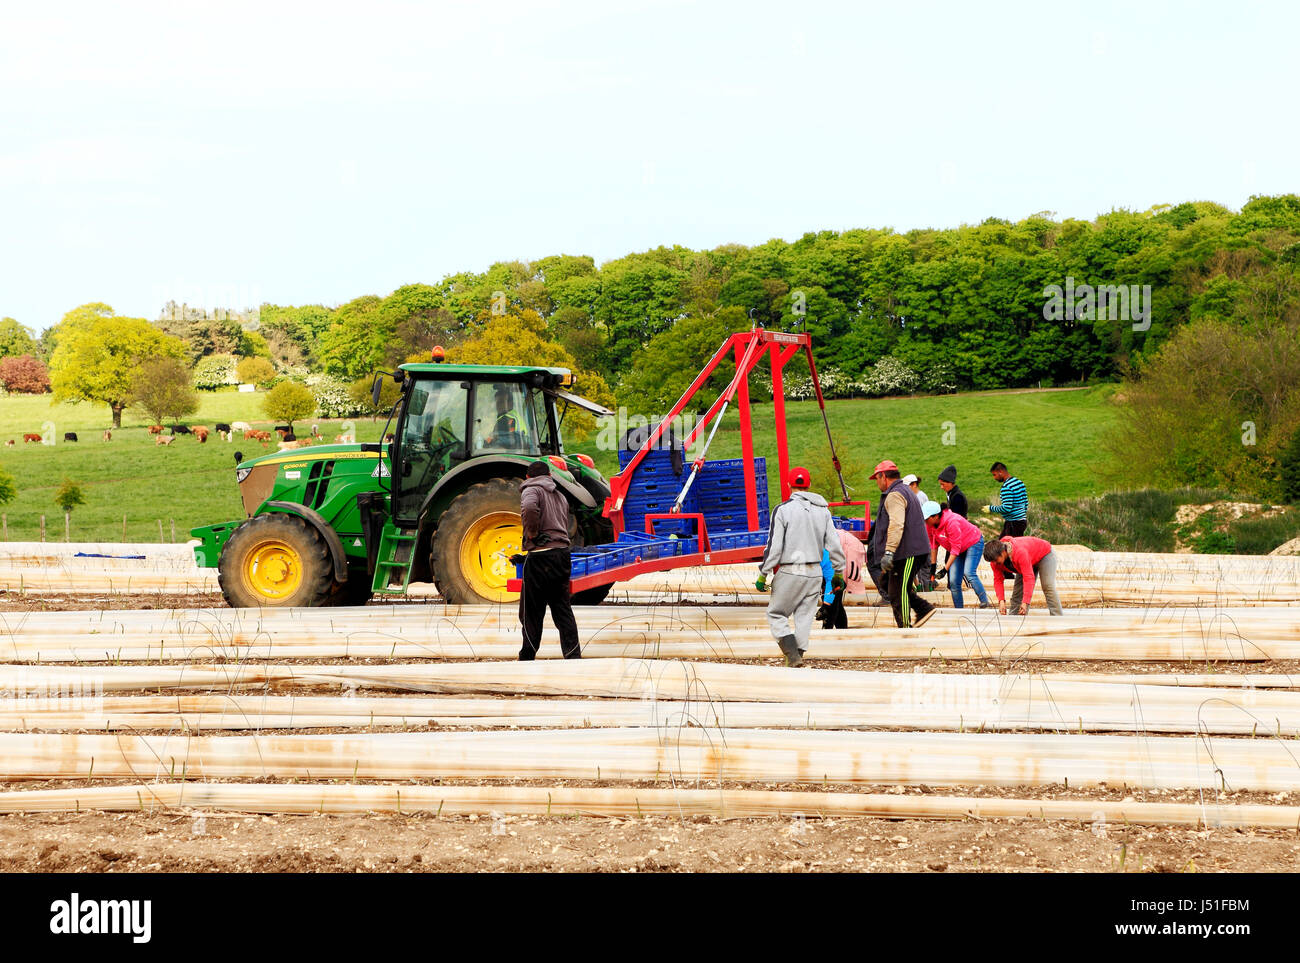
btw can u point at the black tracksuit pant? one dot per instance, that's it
(1014, 529)
(902, 590)
(546, 582)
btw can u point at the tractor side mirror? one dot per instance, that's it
(375, 390)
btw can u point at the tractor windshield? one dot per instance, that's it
(433, 433)
(505, 419)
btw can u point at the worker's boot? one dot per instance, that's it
(790, 648)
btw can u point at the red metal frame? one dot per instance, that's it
(701, 530)
(748, 348)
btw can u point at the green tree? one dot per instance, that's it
(15, 339)
(8, 487)
(288, 402)
(360, 394)
(163, 390)
(518, 338)
(69, 495)
(661, 373)
(356, 341)
(254, 371)
(98, 358)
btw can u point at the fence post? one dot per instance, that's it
(6, 526)
(42, 528)
(173, 521)
(160, 534)
(124, 528)
(67, 526)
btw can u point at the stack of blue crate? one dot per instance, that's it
(720, 490)
(718, 493)
(653, 492)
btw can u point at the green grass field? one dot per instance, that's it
(1048, 439)
(130, 476)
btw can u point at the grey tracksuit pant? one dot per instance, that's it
(792, 605)
(1045, 575)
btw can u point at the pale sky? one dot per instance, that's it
(238, 152)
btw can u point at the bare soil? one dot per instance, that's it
(190, 842)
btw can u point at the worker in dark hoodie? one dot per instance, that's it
(801, 530)
(956, 498)
(547, 564)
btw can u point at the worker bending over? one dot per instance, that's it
(802, 528)
(1025, 558)
(547, 566)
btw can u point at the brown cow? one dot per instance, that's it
(10, 443)
(156, 429)
(108, 434)
(164, 440)
(30, 437)
(201, 433)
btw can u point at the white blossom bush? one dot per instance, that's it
(215, 371)
(890, 376)
(332, 399)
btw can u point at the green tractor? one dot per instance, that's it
(336, 524)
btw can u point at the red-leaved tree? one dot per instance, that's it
(25, 374)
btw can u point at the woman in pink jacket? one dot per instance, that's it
(965, 547)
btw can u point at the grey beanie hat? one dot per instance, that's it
(949, 474)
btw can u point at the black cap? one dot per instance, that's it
(949, 475)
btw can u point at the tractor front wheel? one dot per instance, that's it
(275, 561)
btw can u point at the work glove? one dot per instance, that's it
(761, 584)
(887, 562)
(988, 509)
(517, 559)
(941, 573)
(837, 581)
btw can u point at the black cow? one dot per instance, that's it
(69, 436)
(239, 457)
(222, 426)
(179, 429)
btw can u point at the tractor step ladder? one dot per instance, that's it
(396, 553)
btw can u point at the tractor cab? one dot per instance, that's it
(452, 415)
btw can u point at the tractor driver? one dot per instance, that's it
(508, 427)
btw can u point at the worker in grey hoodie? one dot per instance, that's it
(801, 530)
(545, 514)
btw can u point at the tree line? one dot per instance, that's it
(929, 310)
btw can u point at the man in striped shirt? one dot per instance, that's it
(1014, 501)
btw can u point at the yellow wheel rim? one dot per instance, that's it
(485, 554)
(273, 570)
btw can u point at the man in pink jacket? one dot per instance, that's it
(1025, 558)
(965, 547)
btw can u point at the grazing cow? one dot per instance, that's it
(10, 443)
(69, 436)
(262, 436)
(249, 433)
(180, 430)
(164, 440)
(30, 437)
(222, 426)
(239, 457)
(315, 431)
(156, 429)
(201, 434)
(240, 426)
(108, 434)
(341, 438)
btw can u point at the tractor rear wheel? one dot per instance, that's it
(469, 554)
(275, 561)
